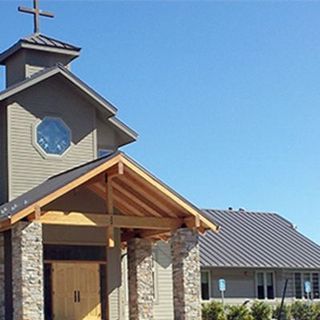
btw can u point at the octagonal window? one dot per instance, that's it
(53, 136)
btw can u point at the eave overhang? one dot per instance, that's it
(106, 106)
(42, 43)
(141, 198)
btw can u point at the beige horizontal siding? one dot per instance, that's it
(27, 166)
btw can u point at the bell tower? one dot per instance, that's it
(36, 52)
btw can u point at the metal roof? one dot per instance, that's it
(50, 185)
(42, 40)
(38, 41)
(256, 240)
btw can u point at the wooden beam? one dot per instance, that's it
(115, 221)
(137, 200)
(146, 192)
(75, 219)
(110, 212)
(36, 214)
(185, 205)
(133, 208)
(116, 170)
(146, 222)
(154, 233)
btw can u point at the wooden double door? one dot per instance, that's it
(76, 291)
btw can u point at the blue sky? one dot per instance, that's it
(224, 95)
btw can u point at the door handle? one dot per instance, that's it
(74, 296)
(78, 295)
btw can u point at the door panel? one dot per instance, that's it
(88, 282)
(76, 291)
(63, 291)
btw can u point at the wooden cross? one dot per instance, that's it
(36, 14)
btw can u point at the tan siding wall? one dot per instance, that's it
(163, 308)
(3, 155)
(106, 137)
(27, 167)
(240, 284)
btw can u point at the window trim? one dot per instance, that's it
(264, 272)
(36, 145)
(301, 273)
(209, 284)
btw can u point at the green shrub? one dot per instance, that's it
(301, 311)
(213, 311)
(238, 313)
(316, 311)
(261, 311)
(286, 312)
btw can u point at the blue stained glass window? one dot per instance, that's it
(53, 136)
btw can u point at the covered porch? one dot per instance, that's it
(63, 243)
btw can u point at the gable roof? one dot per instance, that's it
(59, 185)
(38, 41)
(50, 72)
(256, 240)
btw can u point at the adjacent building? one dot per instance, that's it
(255, 252)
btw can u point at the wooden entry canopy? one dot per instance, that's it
(136, 201)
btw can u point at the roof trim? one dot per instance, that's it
(123, 127)
(47, 73)
(111, 161)
(25, 43)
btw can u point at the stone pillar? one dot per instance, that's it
(186, 275)
(27, 271)
(2, 285)
(140, 279)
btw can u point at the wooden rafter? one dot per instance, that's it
(148, 193)
(138, 201)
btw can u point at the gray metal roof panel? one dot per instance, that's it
(42, 40)
(256, 240)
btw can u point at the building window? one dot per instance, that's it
(265, 285)
(205, 285)
(53, 136)
(299, 285)
(104, 152)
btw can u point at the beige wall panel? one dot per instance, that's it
(80, 200)
(163, 307)
(3, 155)
(240, 284)
(28, 167)
(106, 137)
(73, 235)
(114, 279)
(15, 68)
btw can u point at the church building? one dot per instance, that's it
(73, 207)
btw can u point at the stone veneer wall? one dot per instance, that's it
(2, 288)
(140, 279)
(186, 274)
(27, 271)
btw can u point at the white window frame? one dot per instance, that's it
(264, 272)
(302, 273)
(36, 145)
(209, 283)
